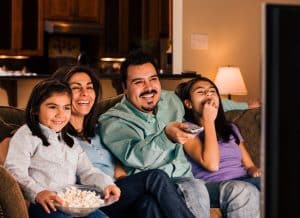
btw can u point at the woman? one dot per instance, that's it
(146, 194)
(217, 153)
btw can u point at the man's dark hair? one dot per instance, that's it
(136, 58)
(41, 92)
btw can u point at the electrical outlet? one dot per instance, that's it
(199, 41)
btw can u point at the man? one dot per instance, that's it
(144, 131)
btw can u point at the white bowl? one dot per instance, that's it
(80, 211)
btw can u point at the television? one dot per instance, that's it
(281, 110)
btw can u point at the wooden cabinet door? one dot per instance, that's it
(5, 26)
(22, 29)
(74, 10)
(59, 9)
(88, 10)
(32, 28)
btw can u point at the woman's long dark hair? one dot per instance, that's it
(223, 128)
(64, 74)
(42, 91)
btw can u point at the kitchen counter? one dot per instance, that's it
(18, 88)
(106, 76)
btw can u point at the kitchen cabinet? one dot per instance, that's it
(75, 10)
(21, 27)
(131, 24)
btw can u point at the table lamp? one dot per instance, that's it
(229, 81)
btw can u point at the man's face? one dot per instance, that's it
(143, 87)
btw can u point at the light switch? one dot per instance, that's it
(199, 41)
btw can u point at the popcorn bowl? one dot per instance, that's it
(80, 200)
(76, 211)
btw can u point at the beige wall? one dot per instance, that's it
(234, 38)
(3, 97)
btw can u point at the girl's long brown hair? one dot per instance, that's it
(223, 128)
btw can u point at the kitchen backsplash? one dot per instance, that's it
(63, 47)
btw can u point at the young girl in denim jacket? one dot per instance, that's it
(43, 157)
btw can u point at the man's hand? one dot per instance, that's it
(175, 132)
(47, 199)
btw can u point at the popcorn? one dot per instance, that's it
(74, 197)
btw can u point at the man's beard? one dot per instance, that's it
(149, 109)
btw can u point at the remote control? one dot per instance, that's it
(193, 128)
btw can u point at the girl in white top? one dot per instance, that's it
(43, 157)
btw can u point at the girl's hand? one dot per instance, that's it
(111, 193)
(254, 171)
(47, 199)
(210, 110)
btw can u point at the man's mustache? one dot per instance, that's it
(153, 91)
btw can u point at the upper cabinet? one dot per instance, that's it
(75, 10)
(21, 27)
(133, 24)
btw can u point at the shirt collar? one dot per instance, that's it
(145, 116)
(49, 133)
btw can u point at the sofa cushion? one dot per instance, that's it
(249, 124)
(107, 103)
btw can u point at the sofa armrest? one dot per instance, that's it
(12, 115)
(11, 198)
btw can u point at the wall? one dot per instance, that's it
(3, 97)
(234, 38)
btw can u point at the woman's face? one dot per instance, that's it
(55, 111)
(201, 92)
(83, 93)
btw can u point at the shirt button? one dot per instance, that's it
(151, 120)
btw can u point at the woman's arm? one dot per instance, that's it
(252, 170)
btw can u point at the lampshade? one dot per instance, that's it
(229, 81)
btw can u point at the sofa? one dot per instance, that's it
(12, 203)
